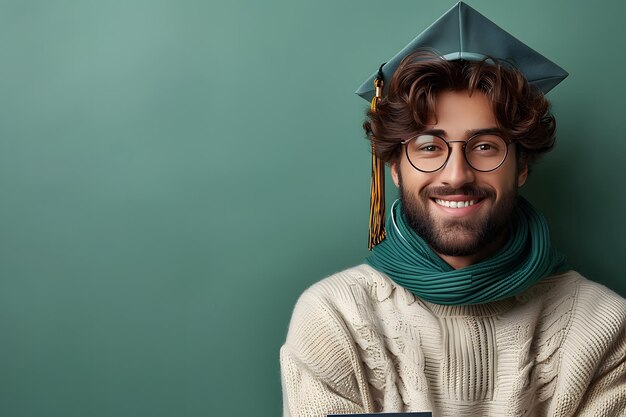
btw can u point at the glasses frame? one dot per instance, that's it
(464, 142)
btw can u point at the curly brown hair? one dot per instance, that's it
(522, 111)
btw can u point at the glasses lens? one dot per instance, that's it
(485, 152)
(427, 152)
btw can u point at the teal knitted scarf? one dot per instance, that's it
(526, 257)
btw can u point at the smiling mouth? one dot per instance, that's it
(456, 204)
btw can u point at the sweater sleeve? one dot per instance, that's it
(606, 395)
(593, 368)
(320, 370)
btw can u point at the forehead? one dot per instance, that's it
(457, 112)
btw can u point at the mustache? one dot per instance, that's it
(469, 190)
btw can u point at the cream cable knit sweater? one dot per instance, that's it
(359, 343)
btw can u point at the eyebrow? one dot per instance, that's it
(468, 133)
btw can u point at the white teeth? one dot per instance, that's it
(455, 204)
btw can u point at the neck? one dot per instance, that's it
(458, 262)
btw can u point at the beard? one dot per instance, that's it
(462, 236)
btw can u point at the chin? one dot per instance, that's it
(467, 246)
(455, 237)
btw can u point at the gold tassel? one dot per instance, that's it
(377, 193)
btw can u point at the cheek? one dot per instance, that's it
(411, 179)
(506, 177)
(505, 184)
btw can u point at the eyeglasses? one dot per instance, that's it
(483, 152)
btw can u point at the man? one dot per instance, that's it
(464, 308)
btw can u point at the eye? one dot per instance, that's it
(429, 148)
(429, 143)
(486, 145)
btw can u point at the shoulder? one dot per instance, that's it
(321, 363)
(328, 301)
(590, 299)
(599, 317)
(351, 286)
(585, 305)
(590, 335)
(596, 329)
(319, 338)
(334, 308)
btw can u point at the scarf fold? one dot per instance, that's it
(525, 258)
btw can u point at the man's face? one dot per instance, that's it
(427, 197)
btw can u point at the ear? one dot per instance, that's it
(522, 174)
(395, 166)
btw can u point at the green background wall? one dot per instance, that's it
(174, 173)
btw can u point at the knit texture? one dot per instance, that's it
(359, 343)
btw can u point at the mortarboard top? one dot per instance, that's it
(463, 33)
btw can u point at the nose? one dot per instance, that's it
(457, 171)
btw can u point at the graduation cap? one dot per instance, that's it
(460, 34)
